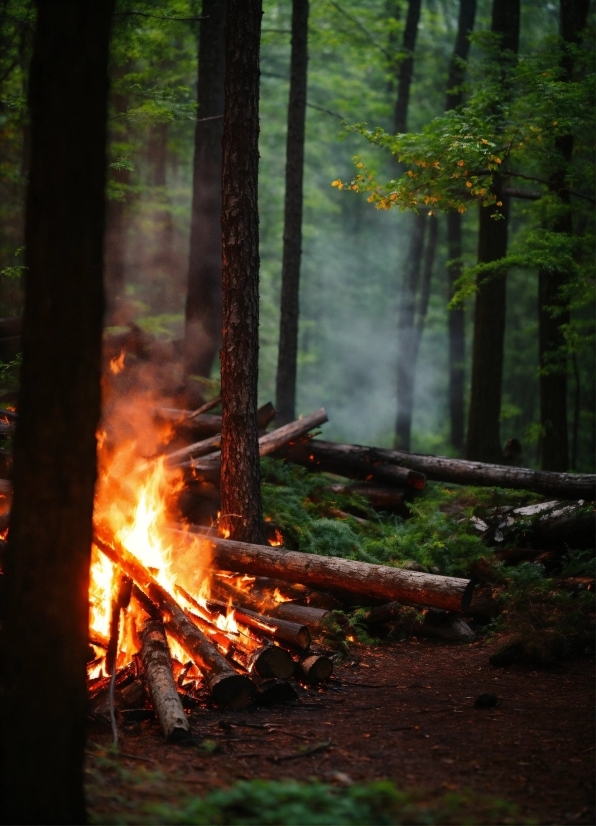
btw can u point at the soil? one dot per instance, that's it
(399, 711)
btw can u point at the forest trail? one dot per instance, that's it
(412, 720)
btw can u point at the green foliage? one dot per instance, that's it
(548, 623)
(9, 373)
(291, 803)
(438, 536)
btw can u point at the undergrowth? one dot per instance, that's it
(123, 796)
(438, 537)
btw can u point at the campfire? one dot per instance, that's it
(167, 628)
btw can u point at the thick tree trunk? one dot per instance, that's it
(484, 440)
(456, 319)
(553, 310)
(362, 578)
(45, 633)
(285, 396)
(202, 335)
(242, 510)
(411, 274)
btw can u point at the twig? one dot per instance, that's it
(214, 402)
(357, 23)
(130, 756)
(305, 753)
(327, 111)
(112, 712)
(369, 685)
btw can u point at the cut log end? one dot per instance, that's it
(316, 669)
(273, 661)
(232, 690)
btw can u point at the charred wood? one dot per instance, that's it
(275, 692)
(157, 663)
(227, 687)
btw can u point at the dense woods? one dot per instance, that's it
(375, 329)
(384, 207)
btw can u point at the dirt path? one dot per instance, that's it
(413, 722)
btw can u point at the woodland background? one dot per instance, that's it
(353, 255)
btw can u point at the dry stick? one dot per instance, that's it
(157, 663)
(328, 572)
(226, 685)
(205, 407)
(270, 442)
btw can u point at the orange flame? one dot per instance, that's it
(117, 363)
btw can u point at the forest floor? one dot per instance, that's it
(396, 711)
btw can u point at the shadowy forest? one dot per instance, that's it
(381, 211)
(444, 306)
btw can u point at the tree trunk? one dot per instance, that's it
(285, 396)
(411, 275)
(45, 633)
(456, 318)
(202, 335)
(553, 310)
(484, 440)
(240, 471)
(406, 66)
(405, 334)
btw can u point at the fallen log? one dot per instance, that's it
(380, 497)
(294, 634)
(336, 574)
(352, 461)
(304, 614)
(227, 687)
(444, 625)
(464, 472)
(155, 655)
(196, 449)
(268, 443)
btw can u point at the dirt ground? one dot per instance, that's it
(399, 711)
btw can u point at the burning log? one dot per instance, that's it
(291, 633)
(157, 663)
(327, 572)
(120, 601)
(266, 660)
(227, 687)
(316, 669)
(268, 443)
(305, 614)
(464, 472)
(197, 449)
(353, 461)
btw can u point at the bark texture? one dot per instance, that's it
(242, 510)
(157, 663)
(456, 318)
(285, 396)
(202, 336)
(553, 311)
(362, 578)
(46, 624)
(484, 440)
